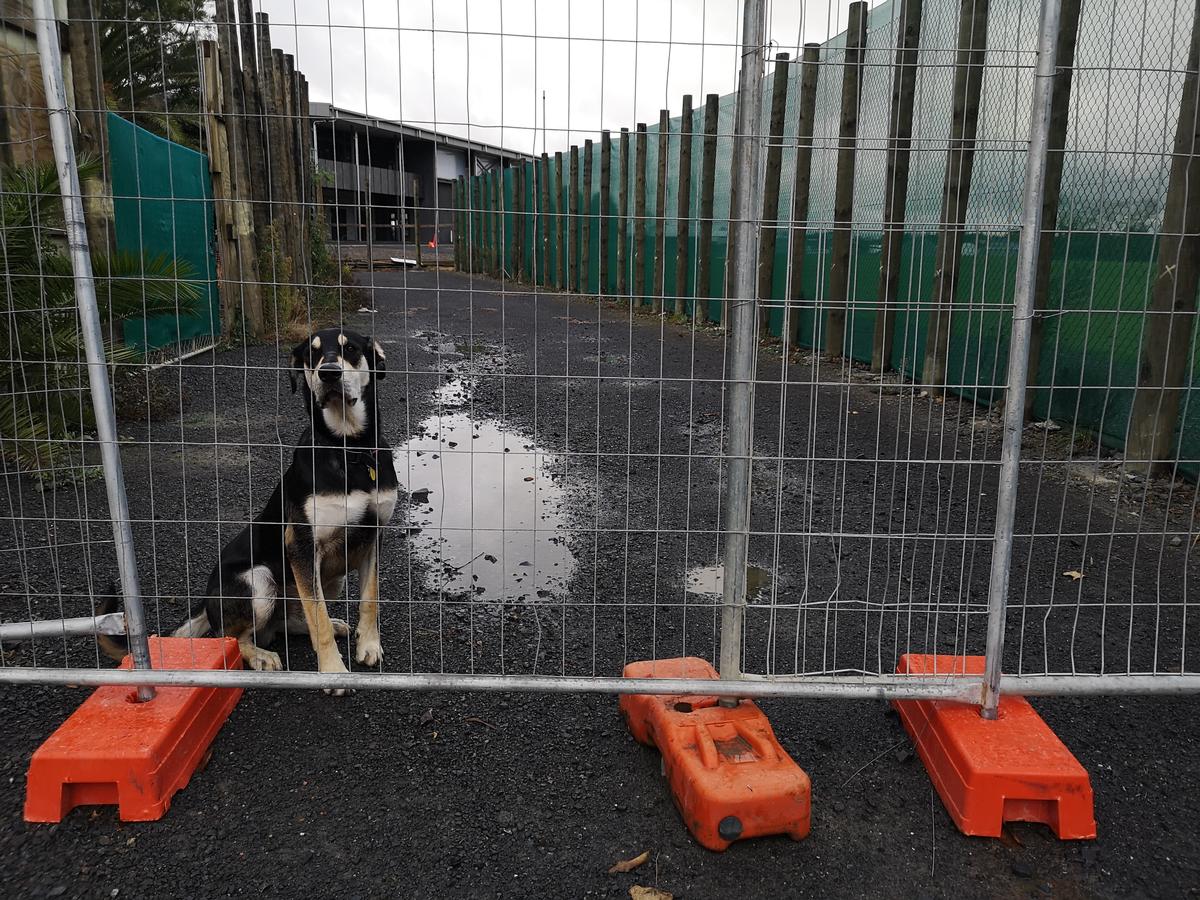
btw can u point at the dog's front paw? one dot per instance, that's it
(335, 665)
(368, 650)
(264, 660)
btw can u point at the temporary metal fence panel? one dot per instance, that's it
(586, 481)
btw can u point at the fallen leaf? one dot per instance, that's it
(1073, 575)
(637, 892)
(628, 865)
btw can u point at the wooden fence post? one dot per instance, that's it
(487, 215)
(770, 209)
(560, 225)
(487, 247)
(708, 171)
(605, 206)
(220, 169)
(573, 223)
(843, 195)
(623, 218)
(956, 191)
(458, 223)
(1166, 352)
(660, 210)
(484, 231)
(1060, 103)
(472, 235)
(528, 171)
(271, 125)
(801, 188)
(479, 203)
(684, 228)
(544, 275)
(296, 246)
(259, 182)
(242, 136)
(639, 219)
(285, 77)
(87, 80)
(895, 197)
(585, 241)
(308, 154)
(239, 220)
(501, 227)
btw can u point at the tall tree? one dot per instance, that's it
(149, 52)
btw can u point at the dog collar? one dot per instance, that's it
(368, 457)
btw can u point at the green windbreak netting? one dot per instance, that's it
(162, 205)
(1124, 105)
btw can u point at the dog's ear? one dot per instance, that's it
(378, 360)
(299, 352)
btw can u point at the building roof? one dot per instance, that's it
(329, 112)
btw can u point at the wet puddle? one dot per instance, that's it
(709, 581)
(486, 503)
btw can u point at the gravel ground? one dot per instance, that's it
(431, 795)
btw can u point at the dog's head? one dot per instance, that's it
(338, 368)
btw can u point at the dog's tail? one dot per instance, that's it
(197, 625)
(116, 646)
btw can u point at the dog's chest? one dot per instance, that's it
(331, 514)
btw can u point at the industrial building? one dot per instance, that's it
(385, 182)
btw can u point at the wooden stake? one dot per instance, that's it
(770, 208)
(708, 171)
(639, 219)
(895, 197)
(605, 210)
(956, 190)
(585, 240)
(1060, 102)
(801, 187)
(573, 223)
(843, 195)
(545, 273)
(683, 229)
(560, 222)
(623, 218)
(660, 210)
(1167, 335)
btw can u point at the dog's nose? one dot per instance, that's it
(329, 373)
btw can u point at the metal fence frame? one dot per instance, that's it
(743, 322)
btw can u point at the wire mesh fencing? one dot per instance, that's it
(437, 350)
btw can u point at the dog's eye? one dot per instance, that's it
(350, 353)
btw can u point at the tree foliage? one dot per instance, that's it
(149, 53)
(44, 401)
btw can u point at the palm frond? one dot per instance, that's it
(131, 284)
(44, 400)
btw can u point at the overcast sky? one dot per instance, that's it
(478, 68)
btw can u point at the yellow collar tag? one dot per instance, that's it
(371, 472)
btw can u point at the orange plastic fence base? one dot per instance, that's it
(113, 750)
(1013, 768)
(729, 775)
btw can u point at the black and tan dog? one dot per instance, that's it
(325, 517)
